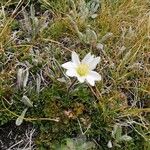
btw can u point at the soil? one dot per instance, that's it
(14, 137)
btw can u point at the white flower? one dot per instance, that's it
(83, 70)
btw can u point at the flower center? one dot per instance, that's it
(83, 69)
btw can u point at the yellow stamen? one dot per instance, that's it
(83, 69)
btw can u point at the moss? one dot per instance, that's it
(15, 25)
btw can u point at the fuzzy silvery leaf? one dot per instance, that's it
(73, 6)
(32, 11)
(121, 50)
(87, 146)
(83, 11)
(27, 23)
(125, 138)
(38, 83)
(27, 101)
(94, 16)
(106, 36)
(43, 21)
(82, 5)
(2, 12)
(35, 26)
(91, 36)
(83, 14)
(100, 46)
(70, 144)
(36, 23)
(19, 120)
(82, 37)
(93, 7)
(25, 77)
(136, 66)
(35, 61)
(131, 33)
(73, 23)
(20, 77)
(117, 132)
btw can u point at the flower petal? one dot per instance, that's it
(94, 63)
(94, 75)
(81, 79)
(75, 58)
(88, 58)
(68, 65)
(71, 73)
(90, 81)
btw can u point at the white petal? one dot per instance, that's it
(88, 58)
(75, 58)
(68, 65)
(90, 81)
(81, 79)
(96, 76)
(92, 77)
(94, 63)
(71, 73)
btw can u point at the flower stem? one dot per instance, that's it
(71, 85)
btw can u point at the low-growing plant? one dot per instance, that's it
(75, 144)
(31, 24)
